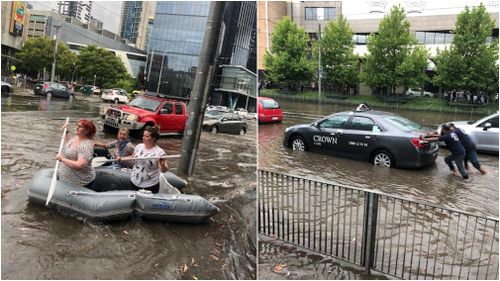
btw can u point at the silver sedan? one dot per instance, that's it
(484, 132)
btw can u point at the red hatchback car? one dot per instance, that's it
(269, 110)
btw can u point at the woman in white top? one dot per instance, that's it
(146, 173)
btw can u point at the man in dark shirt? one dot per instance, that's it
(470, 149)
(454, 146)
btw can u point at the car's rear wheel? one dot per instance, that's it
(5, 90)
(242, 131)
(298, 143)
(383, 158)
(214, 130)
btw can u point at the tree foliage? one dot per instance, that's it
(394, 60)
(36, 54)
(288, 60)
(470, 63)
(339, 63)
(101, 63)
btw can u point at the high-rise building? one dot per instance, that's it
(175, 45)
(130, 20)
(77, 9)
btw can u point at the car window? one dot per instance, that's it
(269, 104)
(178, 109)
(334, 122)
(145, 103)
(167, 108)
(493, 121)
(403, 123)
(362, 124)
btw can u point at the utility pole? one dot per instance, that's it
(54, 62)
(319, 61)
(196, 106)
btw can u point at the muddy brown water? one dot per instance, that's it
(38, 243)
(434, 183)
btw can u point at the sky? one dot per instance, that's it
(106, 11)
(109, 11)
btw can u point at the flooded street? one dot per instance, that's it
(38, 243)
(434, 184)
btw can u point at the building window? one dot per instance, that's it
(320, 13)
(311, 14)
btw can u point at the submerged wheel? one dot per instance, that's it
(383, 158)
(214, 130)
(117, 101)
(49, 95)
(242, 131)
(298, 143)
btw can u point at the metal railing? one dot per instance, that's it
(396, 236)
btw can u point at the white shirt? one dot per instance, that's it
(146, 173)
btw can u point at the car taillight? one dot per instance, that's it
(45, 86)
(418, 143)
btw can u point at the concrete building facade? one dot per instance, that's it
(15, 17)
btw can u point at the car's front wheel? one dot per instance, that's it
(242, 131)
(5, 90)
(298, 143)
(383, 158)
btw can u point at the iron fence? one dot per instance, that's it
(396, 236)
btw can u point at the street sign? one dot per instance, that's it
(13, 67)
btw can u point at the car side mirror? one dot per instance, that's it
(223, 120)
(486, 126)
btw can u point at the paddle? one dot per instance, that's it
(52, 187)
(99, 161)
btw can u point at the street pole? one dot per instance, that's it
(54, 62)
(161, 73)
(95, 75)
(196, 106)
(319, 62)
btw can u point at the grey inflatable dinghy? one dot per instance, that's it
(114, 198)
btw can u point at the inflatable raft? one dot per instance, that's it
(114, 198)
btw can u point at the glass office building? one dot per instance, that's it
(175, 44)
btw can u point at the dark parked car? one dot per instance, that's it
(6, 88)
(53, 89)
(216, 121)
(383, 138)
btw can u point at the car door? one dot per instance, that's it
(166, 117)
(58, 90)
(487, 139)
(361, 136)
(329, 137)
(178, 117)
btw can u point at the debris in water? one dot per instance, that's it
(125, 232)
(195, 278)
(214, 257)
(279, 268)
(184, 268)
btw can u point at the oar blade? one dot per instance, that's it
(53, 182)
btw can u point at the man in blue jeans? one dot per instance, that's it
(454, 146)
(470, 149)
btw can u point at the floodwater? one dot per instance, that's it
(434, 184)
(39, 243)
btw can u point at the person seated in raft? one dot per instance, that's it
(146, 173)
(123, 147)
(76, 156)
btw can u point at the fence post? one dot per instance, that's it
(370, 228)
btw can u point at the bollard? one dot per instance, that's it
(370, 227)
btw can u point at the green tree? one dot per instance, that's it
(471, 62)
(37, 54)
(394, 59)
(339, 63)
(101, 64)
(288, 60)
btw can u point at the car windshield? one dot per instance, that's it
(145, 103)
(269, 104)
(214, 114)
(403, 123)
